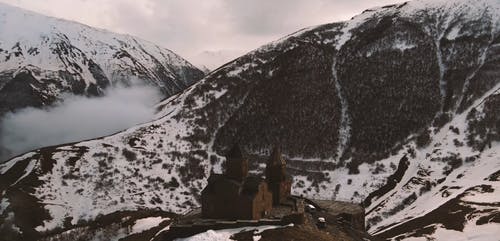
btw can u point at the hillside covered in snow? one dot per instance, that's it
(45, 60)
(396, 108)
(42, 57)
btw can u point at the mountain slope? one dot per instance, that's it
(42, 57)
(396, 108)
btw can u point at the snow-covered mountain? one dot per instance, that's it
(397, 108)
(42, 57)
(211, 60)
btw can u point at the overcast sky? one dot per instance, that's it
(190, 27)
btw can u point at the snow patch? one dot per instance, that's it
(453, 34)
(355, 22)
(402, 45)
(225, 234)
(147, 223)
(4, 203)
(471, 232)
(32, 164)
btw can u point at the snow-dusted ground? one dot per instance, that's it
(471, 232)
(147, 223)
(225, 234)
(428, 166)
(45, 61)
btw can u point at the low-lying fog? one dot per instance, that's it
(76, 118)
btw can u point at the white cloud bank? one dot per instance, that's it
(77, 118)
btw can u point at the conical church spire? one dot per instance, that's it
(236, 164)
(277, 179)
(276, 166)
(276, 157)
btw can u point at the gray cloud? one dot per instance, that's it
(261, 17)
(77, 118)
(189, 27)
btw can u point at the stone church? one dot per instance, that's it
(236, 195)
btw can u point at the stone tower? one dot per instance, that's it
(279, 182)
(236, 164)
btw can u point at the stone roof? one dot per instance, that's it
(249, 186)
(235, 153)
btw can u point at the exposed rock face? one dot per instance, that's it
(399, 102)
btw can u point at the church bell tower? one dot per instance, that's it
(279, 182)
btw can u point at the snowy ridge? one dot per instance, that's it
(45, 45)
(447, 17)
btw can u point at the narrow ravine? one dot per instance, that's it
(345, 119)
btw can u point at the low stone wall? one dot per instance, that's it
(347, 214)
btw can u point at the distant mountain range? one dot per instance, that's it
(396, 108)
(210, 60)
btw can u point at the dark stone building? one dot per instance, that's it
(235, 195)
(278, 181)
